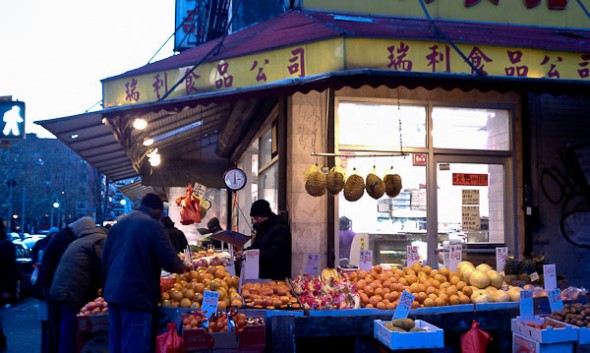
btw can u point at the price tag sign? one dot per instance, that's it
(555, 301)
(526, 305)
(501, 256)
(366, 260)
(252, 264)
(412, 255)
(404, 306)
(534, 276)
(312, 264)
(210, 300)
(550, 276)
(455, 256)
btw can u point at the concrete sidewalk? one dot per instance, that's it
(21, 326)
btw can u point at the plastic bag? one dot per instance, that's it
(169, 341)
(475, 340)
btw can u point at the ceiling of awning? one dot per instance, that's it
(136, 190)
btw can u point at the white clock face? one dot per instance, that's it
(235, 179)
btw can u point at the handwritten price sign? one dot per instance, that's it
(404, 306)
(210, 300)
(312, 264)
(455, 256)
(366, 260)
(550, 276)
(555, 301)
(412, 255)
(252, 264)
(501, 257)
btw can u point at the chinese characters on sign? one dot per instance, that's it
(404, 305)
(412, 255)
(470, 219)
(470, 179)
(366, 260)
(455, 256)
(470, 197)
(549, 276)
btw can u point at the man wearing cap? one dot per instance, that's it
(137, 249)
(273, 239)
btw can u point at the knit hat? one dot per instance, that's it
(81, 225)
(260, 208)
(152, 201)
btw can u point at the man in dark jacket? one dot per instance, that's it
(8, 276)
(273, 238)
(78, 278)
(51, 255)
(177, 237)
(136, 250)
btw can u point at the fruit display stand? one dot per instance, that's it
(543, 335)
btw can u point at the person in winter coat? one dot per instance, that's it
(8, 277)
(177, 237)
(137, 249)
(78, 278)
(273, 238)
(37, 257)
(51, 255)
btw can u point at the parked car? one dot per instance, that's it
(25, 269)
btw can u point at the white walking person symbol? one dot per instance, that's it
(12, 118)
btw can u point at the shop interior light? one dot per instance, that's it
(139, 124)
(148, 141)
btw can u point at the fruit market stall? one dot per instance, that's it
(348, 311)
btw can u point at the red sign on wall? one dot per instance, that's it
(470, 179)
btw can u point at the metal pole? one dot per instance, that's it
(22, 217)
(10, 184)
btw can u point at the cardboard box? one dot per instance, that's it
(562, 332)
(522, 344)
(433, 338)
(93, 323)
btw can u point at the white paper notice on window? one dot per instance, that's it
(312, 264)
(252, 264)
(366, 260)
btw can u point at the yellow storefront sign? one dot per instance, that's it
(323, 57)
(551, 13)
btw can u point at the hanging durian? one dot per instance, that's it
(335, 180)
(393, 184)
(315, 181)
(354, 187)
(375, 186)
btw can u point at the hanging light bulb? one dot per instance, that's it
(148, 141)
(140, 123)
(154, 158)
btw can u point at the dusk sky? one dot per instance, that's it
(54, 53)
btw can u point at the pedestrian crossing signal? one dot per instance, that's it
(12, 120)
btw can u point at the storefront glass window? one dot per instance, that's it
(470, 203)
(476, 129)
(381, 122)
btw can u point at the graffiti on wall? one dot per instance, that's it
(569, 187)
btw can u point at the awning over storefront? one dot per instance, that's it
(200, 104)
(303, 43)
(136, 190)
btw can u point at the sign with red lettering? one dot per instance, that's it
(470, 179)
(419, 159)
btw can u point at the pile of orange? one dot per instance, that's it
(188, 288)
(381, 287)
